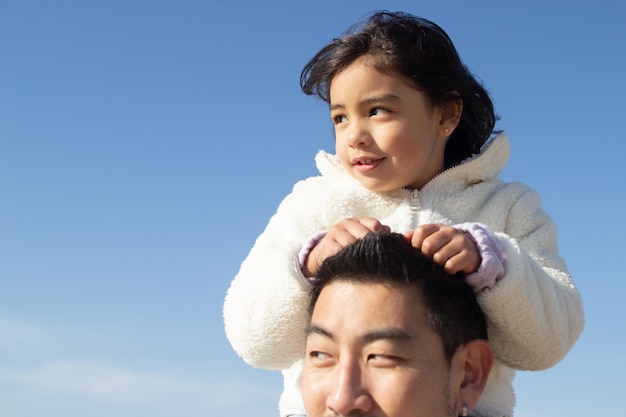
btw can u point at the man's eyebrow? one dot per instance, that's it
(313, 329)
(370, 100)
(391, 333)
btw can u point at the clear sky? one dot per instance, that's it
(144, 144)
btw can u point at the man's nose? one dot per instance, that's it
(349, 393)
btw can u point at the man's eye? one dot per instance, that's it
(382, 360)
(319, 358)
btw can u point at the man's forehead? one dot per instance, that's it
(348, 290)
(374, 310)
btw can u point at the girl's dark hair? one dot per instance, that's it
(423, 53)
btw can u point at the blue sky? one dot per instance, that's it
(145, 144)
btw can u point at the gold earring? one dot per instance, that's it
(464, 410)
(446, 130)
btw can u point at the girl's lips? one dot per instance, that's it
(366, 164)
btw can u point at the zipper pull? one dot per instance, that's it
(415, 202)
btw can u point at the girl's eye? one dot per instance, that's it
(378, 111)
(340, 118)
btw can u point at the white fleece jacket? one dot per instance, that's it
(534, 312)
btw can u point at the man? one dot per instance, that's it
(391, 334)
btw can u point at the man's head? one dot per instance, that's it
(391, 334)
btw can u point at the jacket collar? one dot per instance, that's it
(486, 165)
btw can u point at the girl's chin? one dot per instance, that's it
(377, 186)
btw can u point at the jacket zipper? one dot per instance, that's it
(415, 204)
(415, 207)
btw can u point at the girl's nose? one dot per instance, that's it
(348, 393)
(359, 134)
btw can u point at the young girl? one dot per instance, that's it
(415, 154)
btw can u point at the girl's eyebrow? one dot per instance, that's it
(370, 100)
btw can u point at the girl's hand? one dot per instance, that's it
(451, 248)
(340, 235)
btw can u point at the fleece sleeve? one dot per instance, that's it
(535, 312)
(265, 309)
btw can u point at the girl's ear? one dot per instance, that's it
(471, 364)
(450, 116)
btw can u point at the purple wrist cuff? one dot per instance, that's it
(491, 268)
(307, 246)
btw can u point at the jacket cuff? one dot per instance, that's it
(306, 248)
(491, 268)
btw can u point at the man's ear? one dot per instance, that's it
(450, 116)
(470, 368)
